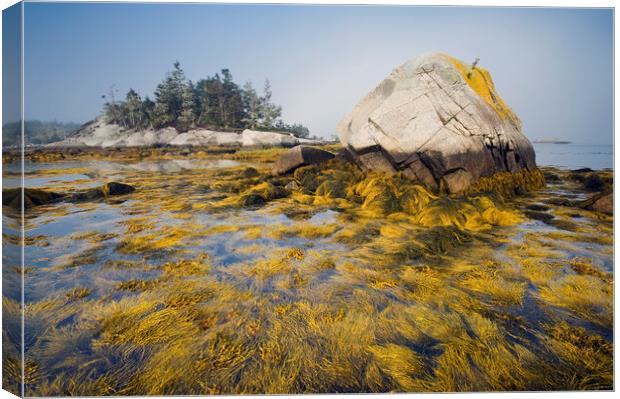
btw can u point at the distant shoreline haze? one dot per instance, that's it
(537, 56)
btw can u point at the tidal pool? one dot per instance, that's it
(213, 278)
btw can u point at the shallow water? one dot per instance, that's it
(186, 296)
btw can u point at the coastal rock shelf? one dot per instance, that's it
(439, 121)
(98, 133)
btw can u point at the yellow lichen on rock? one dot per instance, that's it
(479, 79)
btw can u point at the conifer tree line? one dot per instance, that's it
(216, 103)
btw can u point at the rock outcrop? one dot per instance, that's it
(601, 202)
(300, 156)
(107, 190)
(101, 134)
(12, 197)
(439, 121)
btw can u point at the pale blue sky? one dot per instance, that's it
(553, 66)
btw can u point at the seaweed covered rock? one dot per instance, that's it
(300, 155)
(108, 189)
(114, 188)
(439, 121)
(12, 197)
(261, 194)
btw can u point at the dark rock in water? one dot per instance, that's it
(601, 202)
(249, 172)
(551, 177)
(438, 121)
(114, 188)
(589, 181)
(542, 216)
(108, 189)
(538, 207)
(300, 155)
(12, 197)
(253, 200)
(594, 182)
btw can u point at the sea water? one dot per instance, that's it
(573, 156)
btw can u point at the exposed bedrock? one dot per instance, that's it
(439, 121)
(300, 155)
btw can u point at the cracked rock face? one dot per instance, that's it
(438, 121)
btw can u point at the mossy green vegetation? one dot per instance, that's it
(330, 279)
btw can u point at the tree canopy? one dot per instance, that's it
(215, 102)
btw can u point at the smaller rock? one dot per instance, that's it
(292, 186)
(32, 197)
(593, 182)
(300, 155)
(538, 207)
(108, 189)
(542, 216)
(252, 200)
(551, 176)
(114, 188)
(601, 202)
(250, 172)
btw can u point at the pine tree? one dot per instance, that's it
(271, 112)
(187, 118)
(169, 97)
(147, 110)
(134, 105)
(253, 107)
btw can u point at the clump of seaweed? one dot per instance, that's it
(509, 185)
(585, 359)
(587, 297)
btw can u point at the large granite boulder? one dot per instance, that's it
(250, 138)
(439, 121)
(300, 155)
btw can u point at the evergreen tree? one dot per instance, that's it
(271, 112)
(134, 105)
(169, 97)
(202, 92)
(147, 110)
(188, 116)
(253, 107)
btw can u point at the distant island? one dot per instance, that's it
(37, 132)
(550, 140)
(215, 102)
